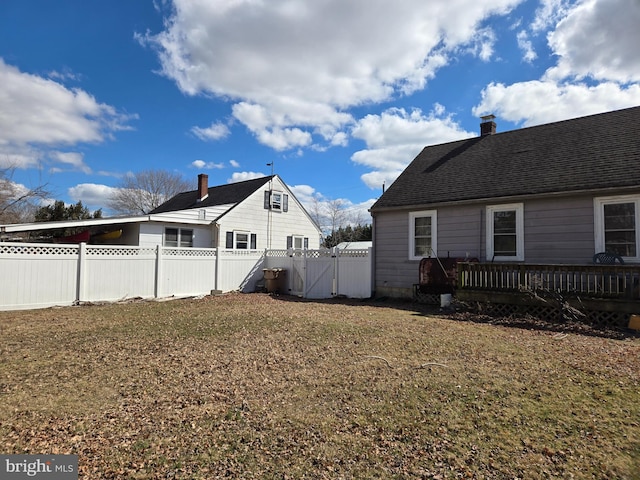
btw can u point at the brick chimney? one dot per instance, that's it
(487, 126)
(203, 186)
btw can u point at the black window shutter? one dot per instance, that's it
(254, 241)
(267, 199)
(289, 242)
(229, 239)
(285, 203)
(306, 243)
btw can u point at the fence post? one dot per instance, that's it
(216, 280)
(82, 253)
(158, 283)
(335, 254)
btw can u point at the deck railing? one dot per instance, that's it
(598, 281)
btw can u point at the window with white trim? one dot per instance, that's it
(276, 200)
(616, 222)
(297, 242)
(505, 232)
(423, 229)
(178, 237)
(241, 240)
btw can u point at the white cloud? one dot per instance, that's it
(206, 165)
(599, 39)
(38, 113)
(66, 74)
(598, 68)
(528, 53)
(74, 159)
(314, 59)
(396, 136)
(242, 176)
(549, 13)
(537, 102)
(234, 163)
(216, 131)
(483, 43)
(91, 195)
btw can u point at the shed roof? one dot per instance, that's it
(589, 153)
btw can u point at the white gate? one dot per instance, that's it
(297, 279)
(320, 274)
(324, 273)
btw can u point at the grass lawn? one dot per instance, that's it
(254, 386)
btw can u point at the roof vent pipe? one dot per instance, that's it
(487, 126)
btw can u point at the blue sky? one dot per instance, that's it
(340, 94)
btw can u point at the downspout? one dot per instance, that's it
(373, 256)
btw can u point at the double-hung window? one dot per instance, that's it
(297, 242)
(241, 240)
(178, 237)
(505, 232)
(616, 226)
(276, 201)
(423, 228)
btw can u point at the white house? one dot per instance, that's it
(256, 214)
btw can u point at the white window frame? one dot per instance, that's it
(519, 209)
(412, 233)
(277, 205)
(298, 238)
(237, 241)
(599, 203)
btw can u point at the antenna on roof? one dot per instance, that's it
(271, 165)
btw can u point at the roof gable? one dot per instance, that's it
(588, 153)
(231, 193)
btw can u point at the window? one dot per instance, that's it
(275, 200)
(297, 242)
(423, 227)
(178, 237)
(505, 232)
(241, 240)
(616, 226)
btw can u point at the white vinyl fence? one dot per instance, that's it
(43, 275)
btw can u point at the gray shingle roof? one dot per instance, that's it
(220, 195)
(588, 153)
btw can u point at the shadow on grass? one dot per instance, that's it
(460, 312)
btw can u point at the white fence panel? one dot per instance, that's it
(114, 273)
(40, 275)
(354, 273)
(239, 270)
(186, 271)
(37, 275)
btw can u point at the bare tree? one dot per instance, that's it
(17, 202)
(143, 191)
(336, 213)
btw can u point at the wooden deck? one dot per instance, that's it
(604, 293)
